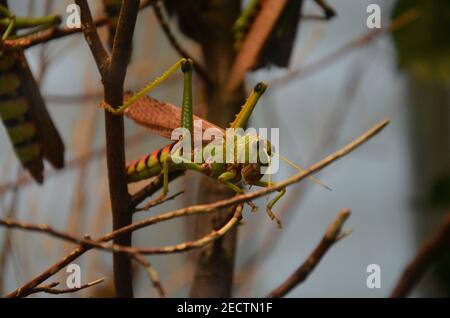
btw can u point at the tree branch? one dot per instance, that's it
(429, 253)
(113, 76)
(134, 252)
(50, 288)
(93, 39)
(332, 235)
(57, 33)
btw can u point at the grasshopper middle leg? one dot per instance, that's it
(271, 204)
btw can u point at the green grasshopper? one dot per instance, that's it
(22, 108)
(170, 158)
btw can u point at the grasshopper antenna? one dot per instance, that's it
(293, 165)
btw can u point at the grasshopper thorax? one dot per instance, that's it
(258, 154)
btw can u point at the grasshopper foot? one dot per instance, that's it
(273, 217)
(252, 206)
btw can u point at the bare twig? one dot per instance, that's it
(152, 274)
(175, 43)
(135, 253)
(7, 241)
(154, 185)
(131, 251)
(429, 253)
(93, 39)
(50, 288)
(86, 242)
(57, 33)
(361, 41)
(158, 201)
(332, 235)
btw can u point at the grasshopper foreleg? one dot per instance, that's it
(225, 179)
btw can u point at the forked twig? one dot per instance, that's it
(50, 288)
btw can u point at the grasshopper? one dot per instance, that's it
(169, 159)
(22, 108)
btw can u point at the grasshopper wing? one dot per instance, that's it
(161, 117)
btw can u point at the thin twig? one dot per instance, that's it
(50, 288)
(57, 33)
(135, 253)
(151, 273)
(158, 201)
(332, 235)
(154, 185)
(428, 254)
(398, 23)
(100, 54)
(131, 251)
(175, 43)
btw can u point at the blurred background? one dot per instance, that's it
(396, 185)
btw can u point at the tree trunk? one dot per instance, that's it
(214, 270)
(429, 114)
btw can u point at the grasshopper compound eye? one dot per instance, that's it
(260, 88)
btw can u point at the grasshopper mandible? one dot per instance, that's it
(22, 108)
(170, 158)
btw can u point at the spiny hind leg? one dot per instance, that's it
(180, 162)
(162, 196)
(120, 110)
(272, 202)
(225, 179)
